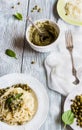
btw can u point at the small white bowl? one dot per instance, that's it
(46, 48)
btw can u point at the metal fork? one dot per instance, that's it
(69, 46)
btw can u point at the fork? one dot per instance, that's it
(69, 46)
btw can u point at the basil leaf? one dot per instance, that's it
(10, 53)
(18, 16)
(9, 100)
(68, 117)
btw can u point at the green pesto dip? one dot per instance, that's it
(50, 34)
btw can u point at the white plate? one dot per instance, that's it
(43, 101)
(62, 14)
(76, 91)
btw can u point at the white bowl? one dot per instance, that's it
(46, 48)
(41, 94)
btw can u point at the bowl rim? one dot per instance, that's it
(42, 20)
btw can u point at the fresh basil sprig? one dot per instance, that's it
(10, 53)
(18, 16)
(17, 96)
(10, 99)
(68, 117)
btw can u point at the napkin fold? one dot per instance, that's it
(58, 64)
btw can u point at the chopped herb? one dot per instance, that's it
(10, 53)
(18, 3)
(12, 7)
(17, 96)
(18, 16)
(10, 99)
(13, 101)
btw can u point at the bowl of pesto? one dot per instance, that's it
(45, 42)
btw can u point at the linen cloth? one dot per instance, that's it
(58, 63)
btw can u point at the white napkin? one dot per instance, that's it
(58, 64)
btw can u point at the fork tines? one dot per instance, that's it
(68, 39)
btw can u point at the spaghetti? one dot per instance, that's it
(18, 104)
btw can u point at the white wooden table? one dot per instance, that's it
(12, 36)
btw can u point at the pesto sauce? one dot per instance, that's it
(48, 29)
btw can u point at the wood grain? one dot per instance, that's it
(12, 35)
(53, 121)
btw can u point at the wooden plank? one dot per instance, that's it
(11, 34)
(53, 121)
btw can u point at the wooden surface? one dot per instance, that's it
(12, 35)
